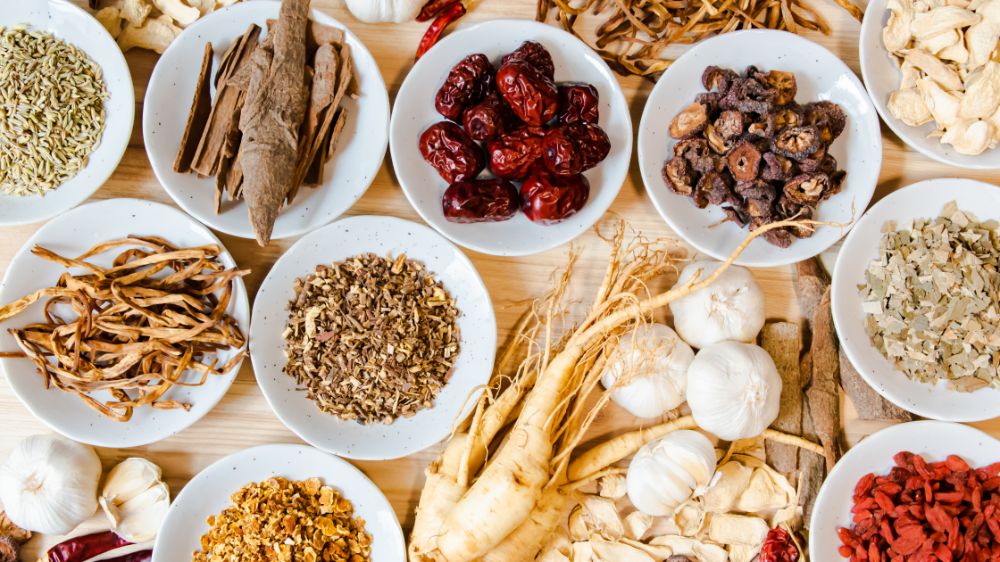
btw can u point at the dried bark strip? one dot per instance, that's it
(869, 404)
(822, 394)
(783, 342)
(201, 108)
(812, 468)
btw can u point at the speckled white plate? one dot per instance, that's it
(384, 236)
(347, 175)
(209, 493)
(820, 75)
(71, 234)
(933, 440)
(414, 111)
(921, 200)
(74, 25)
(882, 77)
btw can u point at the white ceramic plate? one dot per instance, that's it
(75, 26)
(414, 111)
(346, 176)
(882, 76)
(70, 234)
(933, 440)
(383, 236)
(209, 493)
(820, 75)
(920, 200)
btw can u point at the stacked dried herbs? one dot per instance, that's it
(371, 339)
(931, 299)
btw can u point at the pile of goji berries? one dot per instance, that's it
(926, 512)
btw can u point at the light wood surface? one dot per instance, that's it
(242, 419)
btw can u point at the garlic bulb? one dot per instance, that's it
(734, 390)
(654, 362)
(374, 11)
(135, 499)
(731, 308)
(666, 473)
(48, 484)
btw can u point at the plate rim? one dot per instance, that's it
(271, 278)
(315, 14)
(619, 95)
(271, 450)
(25, 249)
(783, 257)
(838, 306)
(128, 104)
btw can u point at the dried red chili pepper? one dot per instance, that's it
(778, 547)
(432, 8)
(85, 547)
(437, 27)
(487, 200)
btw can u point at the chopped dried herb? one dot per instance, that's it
(371, 338)
(931, 299)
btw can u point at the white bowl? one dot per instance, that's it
(383, 236)
(921, 200)
(933, 440)
(209, 493)
(820, 75)
(70, 234)
(882, 77)
(346, 176)
(76, 26)
(414, 111)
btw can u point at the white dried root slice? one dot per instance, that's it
(981, 40)
(982, 93)
(134, 12)
(181, 13)
(933, 68)
(111, 18)
(969, 136)
(601, 517)
(616, 551)
(730, 528)
(896, 35)
(637, 524)
(942, 105)
(558, 549)
(582, 552)
(741, 552)
(941, 19)
(553, 556)
(155, 35)
(693, 548)
(910, 75)
(939, 42)
(612, 486)
(732, 480)
(691, 519)
(956, 53)
(908, 106)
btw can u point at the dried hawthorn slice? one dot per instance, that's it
(679, 176)
(827, 117)
(718, 79)
(574, 148)
(451, 152)
(814, 161)
(690, 121)
(743, 161)
(805, 231)
(729, 124)
(807, 188)
(480, 200)
(777, 168)
(796, 142)
(764, 126)
(697, 153)
(531, 95)
(783, 84)
(550, 198)
(714, 188)
(719, 144)
(466, 84)
(511, 155)
(536, 55)
(578, 103)
(788, 116)
(779, 237)
(737, 216)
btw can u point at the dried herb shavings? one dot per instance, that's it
(931, 299)
(371, 338)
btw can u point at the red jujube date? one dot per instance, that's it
(488, 200)
(513, 154)
(468, 82)
(531, 95)
(578, 103)
(550, 198)
(574, 148)
(487, 119)
(534, 54)
(451, 152)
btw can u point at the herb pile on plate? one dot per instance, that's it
(370, 338)
(747, 146)
(931, 299)
(51, 111)
(268, 131)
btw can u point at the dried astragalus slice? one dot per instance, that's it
(931, 299)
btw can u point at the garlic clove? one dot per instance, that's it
(135, 499)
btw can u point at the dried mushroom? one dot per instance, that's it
(947, 53)
(747, 146)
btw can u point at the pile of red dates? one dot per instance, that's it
(518, 122)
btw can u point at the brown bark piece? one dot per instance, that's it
(869, 404)
(810, 283)
(812, 468)
(237, 53)
(822, 395)
(783, 342)
(201, 107)
(318, 34)
(270, 121)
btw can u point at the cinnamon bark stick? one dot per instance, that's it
(783, 342)
(869, 404)
(812, 468)
(271, 117)
(822, 395)
(201, 108)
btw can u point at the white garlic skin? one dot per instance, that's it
(48, 484)
(730, 309)
(377, 11)
(654, 361)
(733, 390)
(667, 472)
(135, 499)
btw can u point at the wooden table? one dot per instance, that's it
(243, 419)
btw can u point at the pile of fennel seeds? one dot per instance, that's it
(52, 111)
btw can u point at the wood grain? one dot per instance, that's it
(242, 419)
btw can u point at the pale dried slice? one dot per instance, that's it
(940, 41)
(178, 11)
(637, 524)
(969, 136)
(982, 93)
(910, 75)
(936, 70)
(614, 551)
(111, 18)
(981, 40)
(896, 35)
(908, 106)
(941, 19)
(201, 107)
(730, 528)
(602, 517)
(155, 34)
(612, 486)
(957, 53)
(942, 105)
